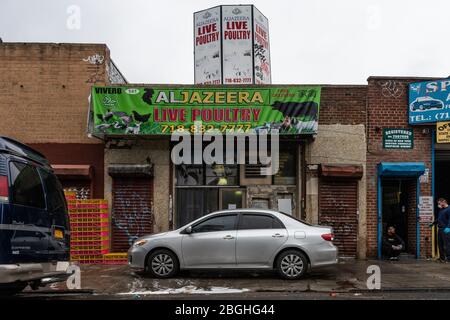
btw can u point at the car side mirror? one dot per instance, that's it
(188, 230)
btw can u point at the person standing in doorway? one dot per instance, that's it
(443, 224)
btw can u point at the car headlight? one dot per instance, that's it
(140, 243)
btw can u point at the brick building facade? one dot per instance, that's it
(343, 104)
(45, 89)
(387, 107)
(340, 144)
(341, 123)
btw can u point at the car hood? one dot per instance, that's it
(152, 236)
(157, 235)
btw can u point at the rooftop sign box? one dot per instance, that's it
(160, 110)
(231, 46)
(429, 101)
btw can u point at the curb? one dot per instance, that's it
(412, 289)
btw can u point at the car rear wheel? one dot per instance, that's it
(163, 264)
(292, 264)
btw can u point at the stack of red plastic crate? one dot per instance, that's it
(70, 195)
(115, 258)
(89, 229)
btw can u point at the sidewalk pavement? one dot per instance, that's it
(345, 277)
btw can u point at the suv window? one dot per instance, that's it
(26, 185)
(53, 188)
(257, 221)
(220, 223)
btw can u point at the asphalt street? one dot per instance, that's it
(409, 279)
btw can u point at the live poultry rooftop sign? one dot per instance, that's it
(165, 110)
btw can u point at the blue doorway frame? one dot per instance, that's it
(397, 170)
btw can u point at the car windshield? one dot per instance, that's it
(302, 221)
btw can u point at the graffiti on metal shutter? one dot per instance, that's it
(132, 211)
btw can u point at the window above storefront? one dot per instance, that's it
(207, 175)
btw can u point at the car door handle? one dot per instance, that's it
(228, 237)
(277, 235)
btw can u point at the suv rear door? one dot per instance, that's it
(30, 224)
(59, 241)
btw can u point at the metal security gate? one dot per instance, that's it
(338, 205)
(132, 210)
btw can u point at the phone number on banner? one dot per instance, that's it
(205, 128)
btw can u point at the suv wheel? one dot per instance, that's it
(292, 264)
(163, 264)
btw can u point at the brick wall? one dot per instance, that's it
(340, 140)
(344, 105)
(44, 90)
(388, 107)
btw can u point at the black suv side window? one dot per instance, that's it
(220, 223)
(54, 190)
(26, 185)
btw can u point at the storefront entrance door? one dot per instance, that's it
(396, 197)
(193, 203)
(396, 211)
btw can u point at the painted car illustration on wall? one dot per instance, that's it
(426, 103)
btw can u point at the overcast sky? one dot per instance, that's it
(314, 41)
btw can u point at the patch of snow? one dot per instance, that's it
(156, 284)
(136, 285)
(188, 290)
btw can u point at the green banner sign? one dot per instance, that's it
(164, 110)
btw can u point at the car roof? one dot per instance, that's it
(282, 216)
(249, 210)
(16, 148)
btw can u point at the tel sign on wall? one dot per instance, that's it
(429, 101)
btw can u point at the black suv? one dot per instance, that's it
(34, 224)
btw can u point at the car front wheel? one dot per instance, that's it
(163, 264)
(292, 264)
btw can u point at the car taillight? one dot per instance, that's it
(4, 193)
(328, 237)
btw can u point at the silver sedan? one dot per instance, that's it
(237, 239)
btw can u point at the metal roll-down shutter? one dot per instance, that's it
(338, 205)
(132, 214)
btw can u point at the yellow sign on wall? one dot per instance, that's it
(443, 132)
